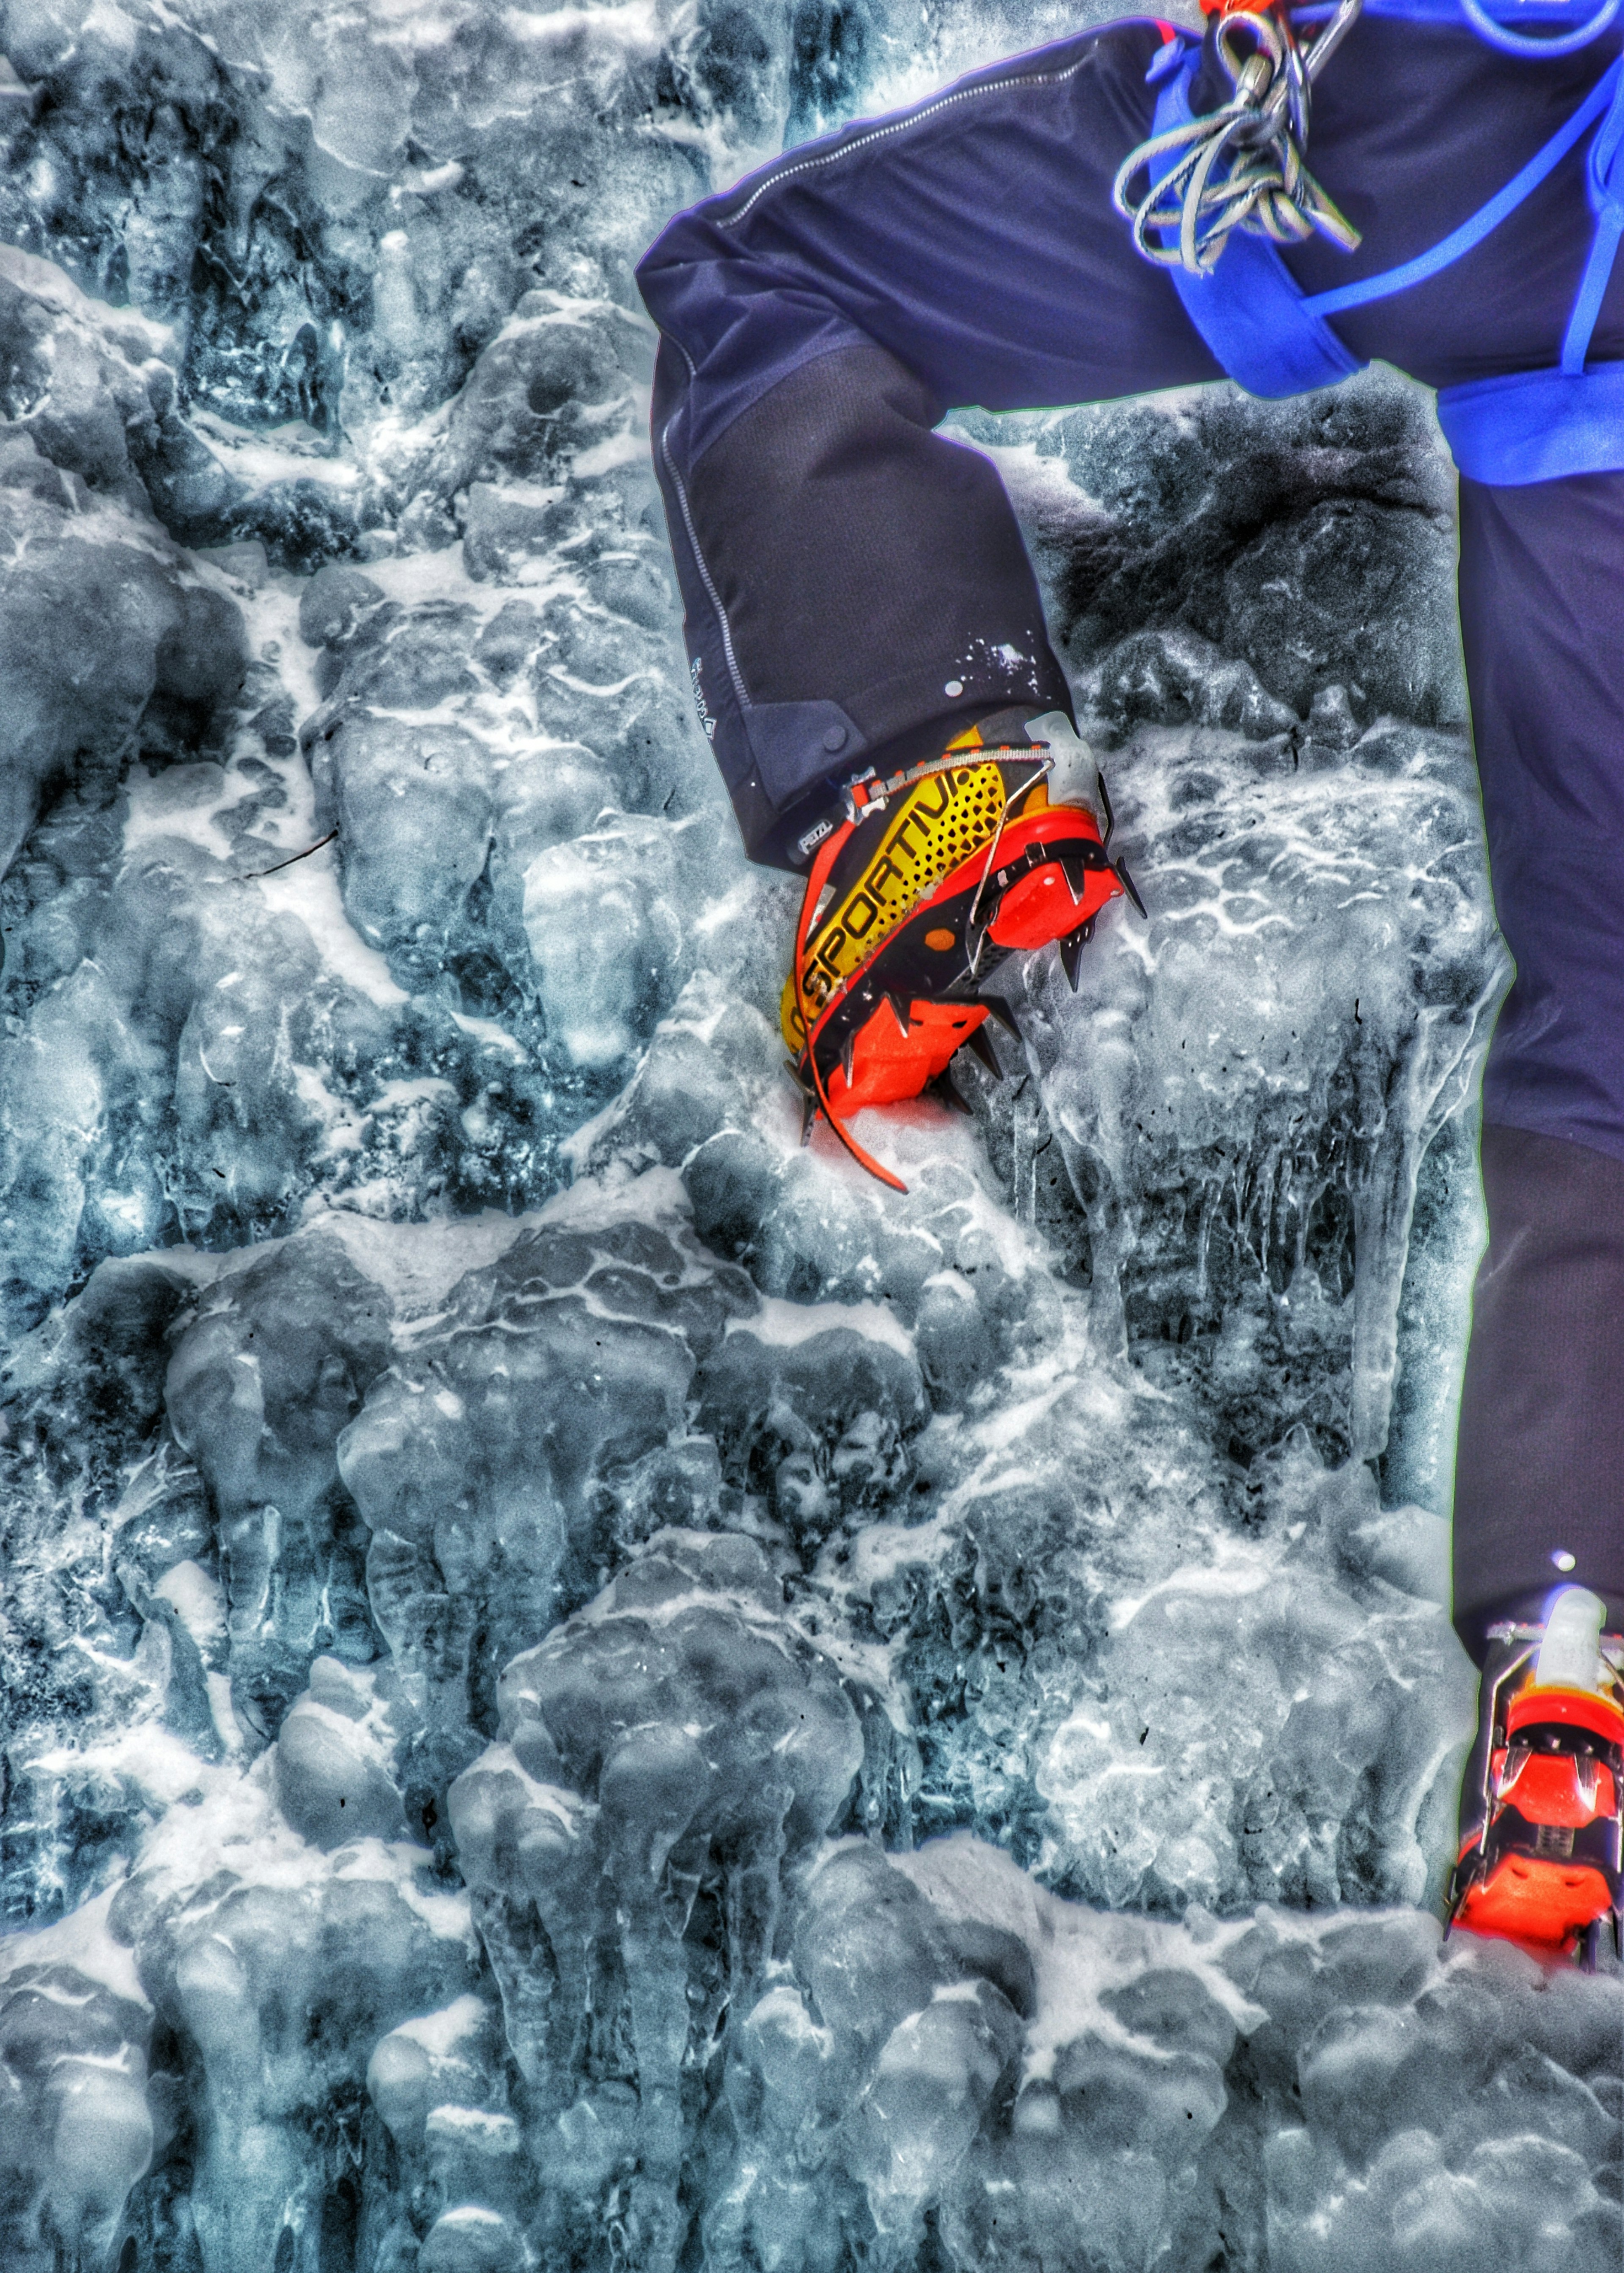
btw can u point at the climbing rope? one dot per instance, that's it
(1241, 166)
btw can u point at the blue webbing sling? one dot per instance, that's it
(1530, 426)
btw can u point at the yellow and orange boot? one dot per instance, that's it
(932, 879)
(1542, 1809)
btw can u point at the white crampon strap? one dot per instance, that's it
(1570, 1648)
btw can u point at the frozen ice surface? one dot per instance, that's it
(585, 1686)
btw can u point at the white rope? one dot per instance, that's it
(1241, 166)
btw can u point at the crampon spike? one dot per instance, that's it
(1123, 877)
(1105, 807)
(980, 1045)
(900, 1012)
(1072, 952)
(1003, 1012)
(1129, 887)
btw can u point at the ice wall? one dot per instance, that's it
(585, 1686)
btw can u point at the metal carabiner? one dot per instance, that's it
(1241, 166)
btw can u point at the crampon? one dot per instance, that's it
(932, 880)
(1543, 1808)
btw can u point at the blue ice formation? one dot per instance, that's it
(584, 1686)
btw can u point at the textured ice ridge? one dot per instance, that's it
(584, 1686)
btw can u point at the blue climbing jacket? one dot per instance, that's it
(1274, 339)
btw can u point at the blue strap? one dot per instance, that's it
(1607, 185)
(1559, 15)
(1518, 43)
(1592, 287)
(1509, 433)
(1251, 310)
(1549, 425)
(1535, 426)
(1487, 218)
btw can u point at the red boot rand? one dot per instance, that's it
(933, 881)
(1541, 1862)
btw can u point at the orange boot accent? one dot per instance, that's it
(1545, 1871)
(935, 876)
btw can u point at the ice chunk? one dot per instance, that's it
(332, 1784)
(551, 381)
(485, 1463)
(633, 881)
(823, 1424)
(101, 578)
(259, 1389)
(680, 1745)
(429, 2062)
(78, 2130)
(472, 2240)
(88, 383)
(278, 1988)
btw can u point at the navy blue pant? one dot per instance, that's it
(857, 591)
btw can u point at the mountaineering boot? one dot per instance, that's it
(934, 878)
(1542, 1807)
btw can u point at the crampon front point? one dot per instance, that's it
(932, 880)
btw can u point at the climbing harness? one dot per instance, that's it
(1241, 166)
(1274, 339)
